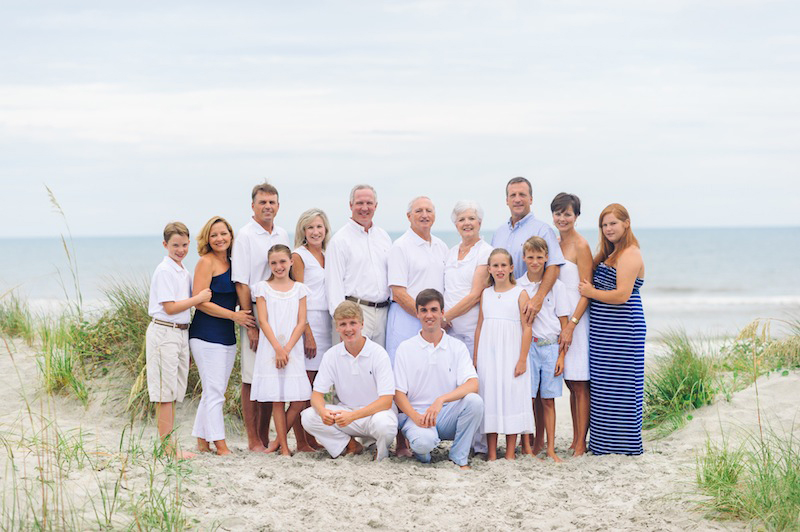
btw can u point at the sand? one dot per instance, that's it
(246, 491)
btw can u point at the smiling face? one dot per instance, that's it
(349, 330)
(535, 261)
(422, 215)
(265, 208)
(363, 207)
(519, 200)
(500, 267)
(315, 232)
(613, 228)
(468, 224)
(564, 220)
(279, 264)
(177, 247)
(430, 317)
(219, 237)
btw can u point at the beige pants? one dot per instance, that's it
(167, 367)
(374, 325)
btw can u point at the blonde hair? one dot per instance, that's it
(203, 246)
(175, 228)
(347, 310)
(535, 243)
(607, 251)
(501, 251)
(280, 248)
(304, 221)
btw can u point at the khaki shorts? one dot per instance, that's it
(374, 325)
(167, 352)
(248, 360)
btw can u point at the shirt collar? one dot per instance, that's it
(418, 240)
(365, 351)
(260, 230)
(174, 265)
(430, 349)
(358, 227)
(528, 217)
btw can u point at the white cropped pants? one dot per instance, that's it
(214, 364)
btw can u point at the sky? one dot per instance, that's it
(139, 113)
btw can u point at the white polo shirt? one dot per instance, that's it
(458, 275)
(546, 325)
(425, 372)
(359, 380)
(249, 264)
(356, 264)
(416, 264)
(170, 282)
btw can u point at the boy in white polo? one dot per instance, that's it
(167, 336)
(545, 360)
(436, 386)
(360, 371)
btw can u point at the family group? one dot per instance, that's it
(419, 343)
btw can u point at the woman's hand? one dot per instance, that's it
(310, 345)
(281, 357)
(244, 317)
(565, 338)
(586, 289)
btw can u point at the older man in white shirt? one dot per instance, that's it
(356, 264)
(249, 266)
(360, 371)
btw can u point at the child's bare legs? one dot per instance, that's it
(549, 411)
(250, 414)
(222, 447)
(491, 445)
(203, 446)
(401, 448)
(303, 438)
(574, 413)
(264, 418)
(165, 416)
(580, 391)
(281, 429)
(538, 417)
(511, 446)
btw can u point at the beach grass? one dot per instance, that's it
(16, 320)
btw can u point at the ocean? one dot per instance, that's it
(709, 282)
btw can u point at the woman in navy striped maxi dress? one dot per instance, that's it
(616, 338)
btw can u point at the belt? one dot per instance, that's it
(367, 303)
(544, 341)
(181, 326)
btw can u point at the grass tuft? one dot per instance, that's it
(16, 319)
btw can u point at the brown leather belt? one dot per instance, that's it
(181, 326)
(367, 303)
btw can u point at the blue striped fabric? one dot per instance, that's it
(616, 369)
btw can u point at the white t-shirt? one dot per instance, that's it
(424, 372)
(458, 275)
(170, 282)
(416, 264)
(356, 264)
(249, 263)
(546, 325)
(359, 380)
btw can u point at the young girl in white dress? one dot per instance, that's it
(279, 374)
(502, 340)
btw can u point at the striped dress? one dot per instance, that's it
(616, 367)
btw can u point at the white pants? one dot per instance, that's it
(374, 325)
(214, 364)
(248, 357)
(381, 427)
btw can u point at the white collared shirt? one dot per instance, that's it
(355, 264)
(546, 326)
(249, 264)
(458, 275)
(359, 380)
(416, 264)
(425, 372)
(170, 282)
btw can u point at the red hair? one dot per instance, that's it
(607, 251)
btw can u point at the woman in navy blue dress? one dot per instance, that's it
(616, 338)
(212, 339)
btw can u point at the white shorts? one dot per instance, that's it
(167, 367)
(248, 360)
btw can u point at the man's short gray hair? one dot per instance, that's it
(362, 187)
(517, 180)
(466, 205)
(411, 203)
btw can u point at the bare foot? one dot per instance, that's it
(353, 447)
(273, 446)
(285, 452)
(554, 456)
(579, 450)
(572, 445)
(403, 452)
(257, 448)
(184, 455)
(203, 446)
(464, 467)
(511, 454)
(223, 452)
(305, 449)
(537, 448)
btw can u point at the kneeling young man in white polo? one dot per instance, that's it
(436, 386)
(361, 372)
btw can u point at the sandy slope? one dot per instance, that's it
(246, 491)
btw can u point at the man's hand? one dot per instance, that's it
(532, 308)
(432, 413)
(252, 336)
(309, 344)
(329, 416)
(344, 418)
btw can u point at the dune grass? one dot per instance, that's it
(16, 320)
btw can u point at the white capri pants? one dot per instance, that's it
(381, 427)
(214, 364)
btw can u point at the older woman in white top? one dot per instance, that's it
(466, 273)
(311, 237)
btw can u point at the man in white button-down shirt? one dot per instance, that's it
(249, 266)
(360, 371)
(355, 264)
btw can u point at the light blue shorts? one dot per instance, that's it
(542, 361)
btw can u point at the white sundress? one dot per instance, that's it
(507, 399)
(271, 384)
(319, 319)
(576, 361)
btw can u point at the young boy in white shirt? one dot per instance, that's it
(167, 337)
(545, 360)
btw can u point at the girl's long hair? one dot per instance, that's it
(606, 251)
(501, 251)
(280, 248)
